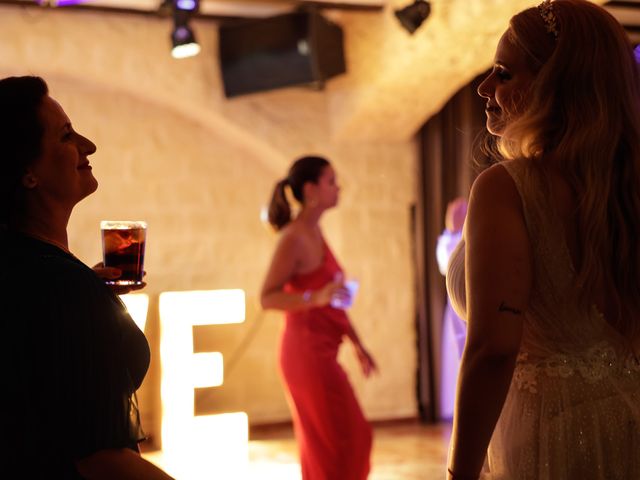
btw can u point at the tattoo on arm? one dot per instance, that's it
(506, 308)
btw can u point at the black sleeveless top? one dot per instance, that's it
(70, 364)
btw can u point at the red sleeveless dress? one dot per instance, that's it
(333, 436)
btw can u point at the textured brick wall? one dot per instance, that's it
(198, 169)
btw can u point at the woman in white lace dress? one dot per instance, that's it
(548, 272)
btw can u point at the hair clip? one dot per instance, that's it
(549, 18)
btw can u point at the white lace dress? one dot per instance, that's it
(573, 408)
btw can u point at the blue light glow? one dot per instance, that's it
(187, 5)
(59, 3)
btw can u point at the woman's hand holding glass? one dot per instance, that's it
(112, 273)
(327, 294)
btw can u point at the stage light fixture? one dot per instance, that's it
(183, 40)
(59, 3)
(412, 16)
(186, 5)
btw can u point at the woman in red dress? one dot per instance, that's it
(304, 280)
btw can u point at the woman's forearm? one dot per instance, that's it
(483, 384)
(288, 301)
(352, 334)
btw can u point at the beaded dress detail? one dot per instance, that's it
(573, 408)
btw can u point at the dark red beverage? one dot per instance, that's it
(123, 247)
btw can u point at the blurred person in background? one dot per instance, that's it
(307, 283)
(454, 329)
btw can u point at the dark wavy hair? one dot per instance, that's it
(303, 170)
(21, 132)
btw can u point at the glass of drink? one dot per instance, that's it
(344, 303)
(123, 247)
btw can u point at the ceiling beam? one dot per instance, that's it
(209, 9)
(622, 4)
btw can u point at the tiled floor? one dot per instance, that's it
(401, 451)
(406, 450)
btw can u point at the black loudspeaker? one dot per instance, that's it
(292, 49)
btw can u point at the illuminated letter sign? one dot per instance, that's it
(203, 446)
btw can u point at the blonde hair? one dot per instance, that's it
(583, 115)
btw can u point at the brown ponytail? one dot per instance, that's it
(305, 169)
(279, 209)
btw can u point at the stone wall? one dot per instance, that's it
(198, 168)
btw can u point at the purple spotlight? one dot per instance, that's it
(636, 51)
(187, 5)
(59, 3)
(67, 3)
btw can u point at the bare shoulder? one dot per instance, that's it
(494, 204)
(495, 187)
(495, 181)
(291, 237)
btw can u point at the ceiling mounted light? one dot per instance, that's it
(59, 3)
(186, 5)
(183, 40)
(412, 16)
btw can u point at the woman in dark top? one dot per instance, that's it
(72, 357)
